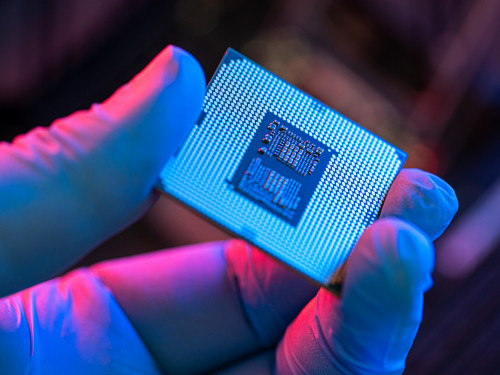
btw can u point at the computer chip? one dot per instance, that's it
(275, 166)
(281, 168)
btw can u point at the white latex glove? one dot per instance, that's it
(213, 307)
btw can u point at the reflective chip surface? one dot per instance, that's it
(275, 166)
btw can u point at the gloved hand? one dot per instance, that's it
(214, 307)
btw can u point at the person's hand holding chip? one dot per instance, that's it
(206, 308)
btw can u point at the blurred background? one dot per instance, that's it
(423, 74)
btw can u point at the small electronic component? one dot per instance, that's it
(291, 150)
(281, 168)
(271, 164)
(274, 190)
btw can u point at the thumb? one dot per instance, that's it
(66, 188)
(372, 327)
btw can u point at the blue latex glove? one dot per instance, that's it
(213, 307)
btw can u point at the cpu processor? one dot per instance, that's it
(273, 165)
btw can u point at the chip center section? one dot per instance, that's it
(281, 168)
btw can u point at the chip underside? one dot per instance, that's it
(280, 169)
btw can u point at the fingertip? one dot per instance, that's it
(422, 199)
(374, 324)
(151, 115)
(392, 256)
(190, 83)
(448, 197)
(181, 91)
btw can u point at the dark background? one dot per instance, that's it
(423, 74)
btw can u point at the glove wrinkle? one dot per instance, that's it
(65, 333)
(250, 289)
(15, 339)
